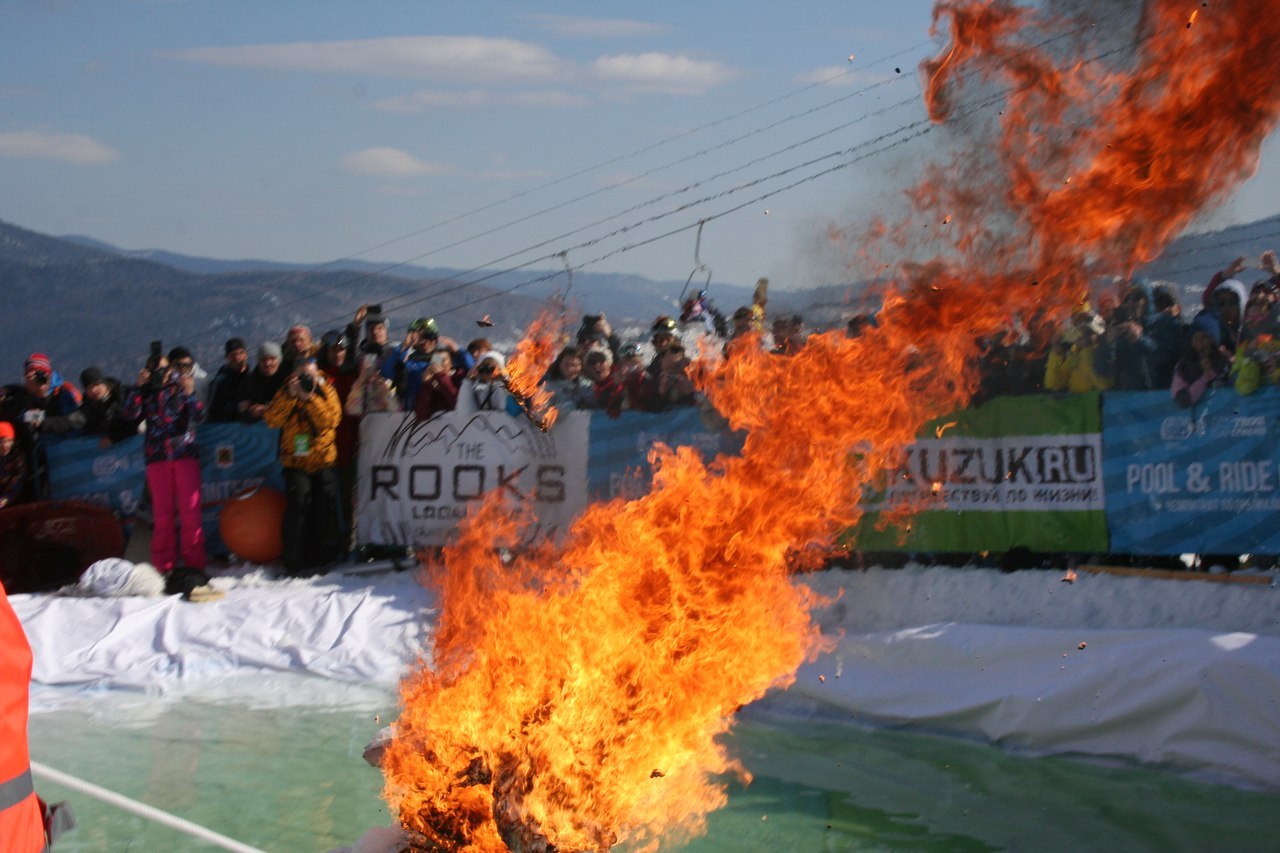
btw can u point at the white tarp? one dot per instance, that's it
(1198, 701)
(1180, 673)
(346, 629)
(416, 478)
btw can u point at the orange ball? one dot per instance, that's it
(250, 523)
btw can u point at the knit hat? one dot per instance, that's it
(38, 361)
(91, 376)
(270, 350)
(6, 430)
(234, 344)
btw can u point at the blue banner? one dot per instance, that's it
(618, 453)
(1199, 480)
(233, 457)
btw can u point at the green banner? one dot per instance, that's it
(1013, 472)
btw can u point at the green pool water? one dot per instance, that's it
(292, 779)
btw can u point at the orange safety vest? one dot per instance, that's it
(21, 815)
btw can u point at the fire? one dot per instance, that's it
(576, 692)
(532, 357)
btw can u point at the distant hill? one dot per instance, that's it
(85, 302)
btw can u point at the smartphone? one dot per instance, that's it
(442, 359)
(157, 349)
(375, 309)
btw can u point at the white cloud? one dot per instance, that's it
(842, 76)
(570, 27)
(388, 163)
(448, 57)
(663, 72)
(60, 147)
(426, 100)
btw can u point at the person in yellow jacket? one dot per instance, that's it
(307, 412)
(1070, 364)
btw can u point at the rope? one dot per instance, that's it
(142, 809)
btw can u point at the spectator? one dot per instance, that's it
(1071, 359)
(673, 387)
(1010, 362)
(661, 333)
(595, 328)
(1168, 329)
(371, 392)
(438, 388)
(224, 390)
(742, 328)
(572, 389)
(370, 328)
(341, 374)
(41, 394)
(1267, 261)
(477, 348)
(1141, 346)
(298, 346)
(166, 398)
(788, 334)
(101, 411)
(307, 412)
(406, 364)
(260, 386)
(14, 470)
(1257, 361)
(608, 392)
(630, 372)
(484, 389)
(1222, 318)
(698, 310)
(1204, 364)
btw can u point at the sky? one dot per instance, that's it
(477, 135)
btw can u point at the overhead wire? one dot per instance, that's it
(367, 275)
(687, 188)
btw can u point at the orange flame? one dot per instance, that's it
(576, 690)
(533, 355)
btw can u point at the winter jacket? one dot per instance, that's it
(1073, 371)
(171, 415)
(308, 428)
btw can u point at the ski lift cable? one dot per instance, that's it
(683, 228)
(625, 229)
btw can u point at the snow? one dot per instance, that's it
(1180, 673)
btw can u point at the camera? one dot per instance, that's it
(375, 309)
(307, 382)
(40, 376)
(157, 350)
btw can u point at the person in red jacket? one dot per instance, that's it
(21, 812)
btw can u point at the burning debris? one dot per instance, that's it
(559, 679)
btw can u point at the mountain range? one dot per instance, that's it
(83, 301)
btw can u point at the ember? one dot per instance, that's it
(561, 677)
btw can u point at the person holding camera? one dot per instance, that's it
(165, 398)
(307, 413)
(42, 394)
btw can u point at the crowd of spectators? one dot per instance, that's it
(316, 391)
(1139, 340)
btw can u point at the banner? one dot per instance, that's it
(1015, 472)
(416, 478)
(233, 457)
(1199, 480)
(619, 454)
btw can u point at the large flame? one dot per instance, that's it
(575, 692)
